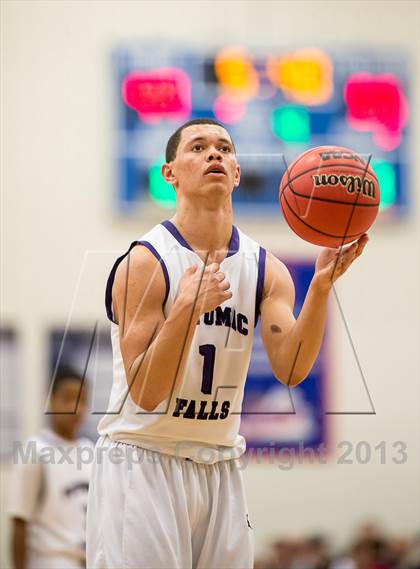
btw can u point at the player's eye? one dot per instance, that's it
(226, 148)
(197, 147)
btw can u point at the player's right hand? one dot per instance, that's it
(206, 290)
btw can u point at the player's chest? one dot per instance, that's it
(233, 319)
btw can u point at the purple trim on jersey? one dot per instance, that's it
(162, 264)
(110, 281)
(260, 282)
(174, 231)
(233, 243)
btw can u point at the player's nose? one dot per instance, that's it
(214, 154)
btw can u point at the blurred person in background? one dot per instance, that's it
(373, 549)
(312, 553)
(280, 554)
(370, 553)
(49, 484)
(410, 556)
(370, 548)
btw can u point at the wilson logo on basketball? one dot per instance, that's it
(351, 183)
(341, 156)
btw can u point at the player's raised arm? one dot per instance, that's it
(293, 345)
(277, 318)
(155, 350)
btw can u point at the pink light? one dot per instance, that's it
(377, 103)
(161, 93)
(228, 111)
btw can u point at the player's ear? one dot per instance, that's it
(237, 177)
(168, 174)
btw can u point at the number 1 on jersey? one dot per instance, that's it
(208, 351)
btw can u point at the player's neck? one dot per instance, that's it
(64, 432)
(206, 230)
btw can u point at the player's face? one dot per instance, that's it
(69, 404)
(205, 162)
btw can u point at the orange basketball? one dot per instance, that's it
(329, 196)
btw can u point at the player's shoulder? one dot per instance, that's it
(139, 264)
(85, 442)
(276, 268)
(139, 256)
(32, 446)
(277, 277)
(43, 438)
(31, 449)
(141, 275)
(276, 264)
(147, 251)
(246, 243)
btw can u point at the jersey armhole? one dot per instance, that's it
(110, 281)
(260, 283)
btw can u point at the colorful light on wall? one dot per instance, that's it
(161, 93)
(272, 100)
(236, 74)
(305, 76)
(291, 123)
(228, 110)
(160, 191)
(377, 103)
(385, 173)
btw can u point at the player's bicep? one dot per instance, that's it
(277, 305)
(138, 294)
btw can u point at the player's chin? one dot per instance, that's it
(223, 186)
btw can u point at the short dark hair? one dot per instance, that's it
(173, 142)
(63, 373)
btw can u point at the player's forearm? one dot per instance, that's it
(300, 348)
(155, 372)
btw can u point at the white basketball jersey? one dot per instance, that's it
(200, 420)
(49, 490)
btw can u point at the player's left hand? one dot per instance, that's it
(332, 263)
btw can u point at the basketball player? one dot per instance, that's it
(184, 301)
(48, 492)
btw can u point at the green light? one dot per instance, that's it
(385, 173)
(291, 123)
(160, 191)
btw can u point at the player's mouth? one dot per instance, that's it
(215, 170)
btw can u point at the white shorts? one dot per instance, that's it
(149, 510)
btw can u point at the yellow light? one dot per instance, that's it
(236, 74)
(305, 76)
